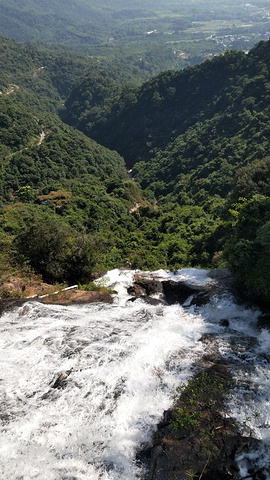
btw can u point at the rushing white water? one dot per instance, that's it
(83, 386)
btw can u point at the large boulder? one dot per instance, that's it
(179, 292)
(78, 296)
(147, 286)
(12, 285)
(136, 290)
(171, 290)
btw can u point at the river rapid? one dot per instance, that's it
(82, 387)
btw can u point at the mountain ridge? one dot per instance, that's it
(187, 184)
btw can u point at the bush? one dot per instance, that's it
(56, 251)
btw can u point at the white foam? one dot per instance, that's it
(120, 365)
(120, 280)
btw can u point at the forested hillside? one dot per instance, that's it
(206, 115)
(52, 174)
(197, 141)
(186, 134)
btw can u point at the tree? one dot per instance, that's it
(248, 251)
(56, 251)
(45, 245)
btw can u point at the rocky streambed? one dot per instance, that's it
(198, 438)
(15, 291)
(115, 368)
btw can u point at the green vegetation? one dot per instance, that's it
(247, 250)
(196, 393)
(57, 252)
(198, 410)
(57, 187)
(183, 418)
(197, 141)
(167, 34)
(94, 287)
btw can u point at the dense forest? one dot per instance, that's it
(191, 138)
(197, 142)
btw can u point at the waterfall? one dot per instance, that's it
(82, 387)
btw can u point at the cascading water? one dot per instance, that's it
(83, 386)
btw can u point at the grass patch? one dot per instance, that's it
(93, 287)
(198, 410)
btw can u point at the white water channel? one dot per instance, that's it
(83, 386)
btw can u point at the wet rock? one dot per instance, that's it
(60, 381)
(200, 299)
(69, 478)
(167, 417)
(175, 455)
(224, 323)
(172, 291)
(222, 276)
(176, 292)
(149, 300)
(8, 305)
(63, 298)
(78, 296)
(264, 321)
(136, 290)
(209, 338)
(179, 292)
(149, 286)
(196, 439)
(253, 467)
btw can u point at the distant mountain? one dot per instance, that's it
(61, 21)
(68, 21)
(188, 130)
(189, 29)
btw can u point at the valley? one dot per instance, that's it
(73, 123)
(134, 239)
